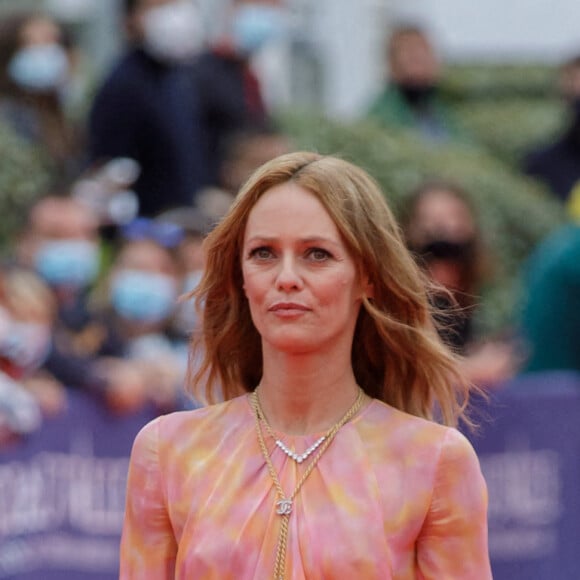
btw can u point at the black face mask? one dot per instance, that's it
(447, 250)
(417, 96)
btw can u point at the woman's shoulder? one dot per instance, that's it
(398, 428)
(206, 422)
(396, 442)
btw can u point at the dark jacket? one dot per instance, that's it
(231, 101)
(557, 165)
(150, 112)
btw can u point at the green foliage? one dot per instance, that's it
(493, 81)
(514, 213)
(509, 109)
(511, 128)
(23, 178)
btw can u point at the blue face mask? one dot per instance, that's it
(255, 25)
(68, 262)
(39, 68)
(141, 296)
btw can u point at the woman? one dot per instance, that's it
(35, 73)
(441, 229)
(324, 461)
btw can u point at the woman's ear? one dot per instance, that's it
(368, 289)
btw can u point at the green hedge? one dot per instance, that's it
(495, 81)
(514, 212)
(507, 108)
(23, 178)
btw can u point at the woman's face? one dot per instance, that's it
(440, 215)
(301, 283)
(38, 31)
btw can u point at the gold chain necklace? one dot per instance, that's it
(285, 503)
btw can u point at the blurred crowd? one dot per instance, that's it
(94, 290)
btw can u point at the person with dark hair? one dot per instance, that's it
(411, 97)
(35, 70)
(325, 459)
(148, 108)
(441, 230)
(60, 242)
(231, 95)
(558, 164)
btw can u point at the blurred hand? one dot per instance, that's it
(164, 379)
(48, 392)
(491, 363)
(126, 391)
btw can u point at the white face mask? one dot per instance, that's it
(173, 32)
(39, 68)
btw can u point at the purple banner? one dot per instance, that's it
(62, 495)
(62, 491)
(529, 448)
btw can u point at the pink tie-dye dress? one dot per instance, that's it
(394, 496)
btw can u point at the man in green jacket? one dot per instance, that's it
(411, 98)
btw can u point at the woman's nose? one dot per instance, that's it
(289, 277)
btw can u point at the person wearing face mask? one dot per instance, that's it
(411, 98)
(61, 243)
(232, 99)
(148, 107)
(558, 164)
(142, 291)
(27, 318)
(35, 71)
(442, 232)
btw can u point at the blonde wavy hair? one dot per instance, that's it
(397, 355)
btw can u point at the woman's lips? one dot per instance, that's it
(288, 309)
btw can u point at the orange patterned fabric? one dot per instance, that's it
(394, 496)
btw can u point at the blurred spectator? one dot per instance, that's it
(231, 95)
(60, 242)
(441, 230)
(35, 73)
(148, 108)
(558, 164)
(411, 98)
(142, 291)
(246, 150)
(551, 317)
(29, 307)
(24, 343)
(195, 225)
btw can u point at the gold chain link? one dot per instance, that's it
(285, 502)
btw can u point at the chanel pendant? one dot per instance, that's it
(284, 507)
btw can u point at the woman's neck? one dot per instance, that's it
(304, 394)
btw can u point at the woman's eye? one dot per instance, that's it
(318, 254)
(261, 253)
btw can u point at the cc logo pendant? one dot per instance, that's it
(284, 507)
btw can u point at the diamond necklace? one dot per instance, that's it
(298, 457)
(285, 503)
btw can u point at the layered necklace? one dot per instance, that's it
(284, 503)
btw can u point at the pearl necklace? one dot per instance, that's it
(284, 503)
